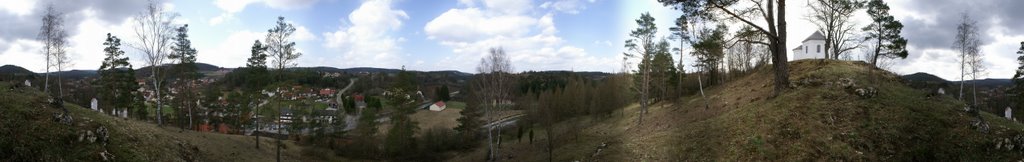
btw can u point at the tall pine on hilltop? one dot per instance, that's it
(1018, 78)
(118, 80)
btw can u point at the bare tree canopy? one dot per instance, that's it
(968, 42)
(155, 33)
(55, 42)
(495, 86)
(772, 12)
(279, 46)
(834, 19)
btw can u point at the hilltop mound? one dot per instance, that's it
(840, 110)
(14, 69)
(14, 72)
(33, 130)
(833, 111)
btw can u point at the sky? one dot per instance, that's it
(578, 35)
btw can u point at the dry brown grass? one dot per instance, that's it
(806, 123)
(431, 119)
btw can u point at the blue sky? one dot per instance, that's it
(580, 35)
(395, 32)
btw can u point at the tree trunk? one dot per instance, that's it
(700, 85)
(278, 132)
(490, 140)
(963, 62)
(46, 84)
(551, 147)
(190, 106)
(60, 87)
(974, 83)
(781, 67)
(828, 44)
(679, 84)
(878, 51)
(159, 105)
(256, 131)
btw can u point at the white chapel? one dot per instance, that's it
(812, 48)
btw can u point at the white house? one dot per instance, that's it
(438, 106)
(1008, 113)
(812, 48)
(94, 105)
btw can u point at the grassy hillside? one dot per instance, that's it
(28, 132)
(821, 118)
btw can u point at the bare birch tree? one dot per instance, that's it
(975, 67)
(155, 32)
(967, 42)
(54, 37)
(495, 88)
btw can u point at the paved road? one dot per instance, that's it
(505, 121)
(341, 92)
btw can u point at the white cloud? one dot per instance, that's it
(233, 51)
(939, 62)
(603, 43)
(368, 41)
(289, 4)
(472, 24)
(530, 40)
(231, 7)
(221, 18)
(467, 3)
(567, 6)
(87, 47)
(24, 53)
(509, 6)
(302, 34)
(18, 7)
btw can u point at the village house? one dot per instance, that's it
(812, 48)
(438, 106)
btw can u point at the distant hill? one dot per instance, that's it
(989, 82)
(13, 72)
(76, 74)
(925, 77)
(14, 69)
(925, 81)
(202, 67)
(370, 70)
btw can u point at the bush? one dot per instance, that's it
(439, 139)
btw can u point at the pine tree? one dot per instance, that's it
(400, 139)
(709, 49)
(366, 133)
(118, 80)
(1018, 78)
(885, 31)
(186, 73)
(663, 71)
(470, 120)
(642, 46)
(256, 68)
(280, 47)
